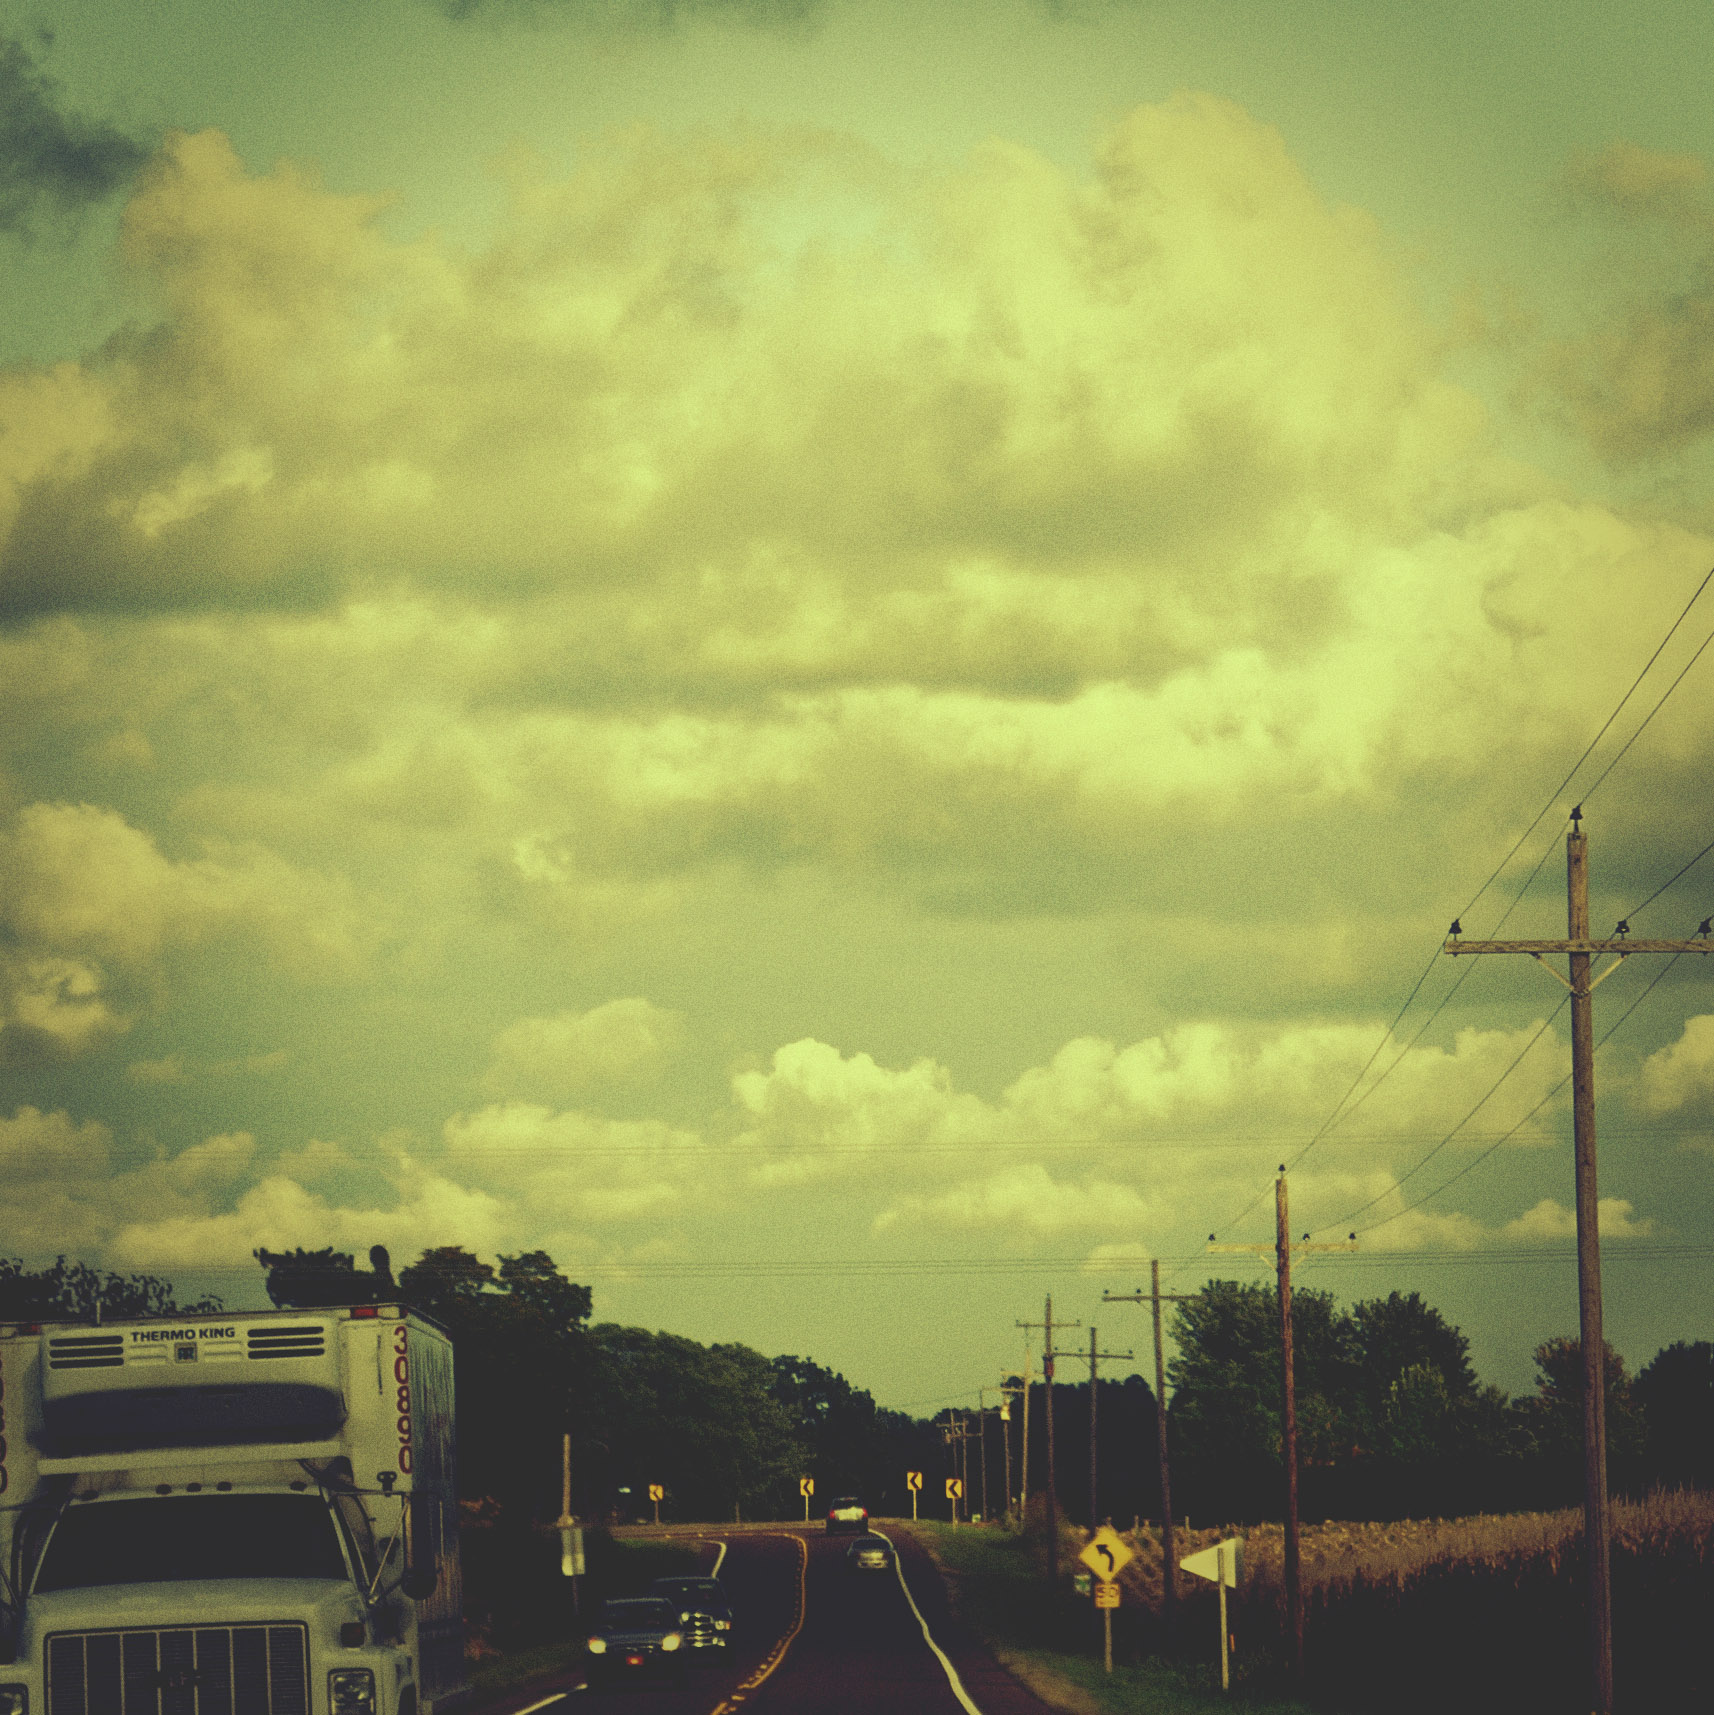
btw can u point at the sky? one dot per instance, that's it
(842, 660)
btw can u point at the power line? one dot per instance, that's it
(1517, 846)
(1637, 910)
(1477, 1160)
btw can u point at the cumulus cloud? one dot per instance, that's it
(1680, 1076)
(1025, 1199)
(1550, 1219)
(52, 163)
(84, 894)
(578, 1167)
(1178, 1124)
(622, 1041)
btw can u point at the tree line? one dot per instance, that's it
(1392, 1419)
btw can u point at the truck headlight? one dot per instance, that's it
(14, 1700)
(351, 1691)
(672, 1640)
(723, 1625)
(598, 1646)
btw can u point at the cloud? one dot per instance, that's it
(1550, 1219)
(622, 1041)
(89, 903)
(1638, 381)
(1025, 1199)
(52, 163)
(579, 1167)
(1680, 1076)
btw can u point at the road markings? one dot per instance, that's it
(531, 1708)
(714, 1570)
(952, 1678)
(778, 1653)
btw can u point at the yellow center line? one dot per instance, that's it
(778, 1653)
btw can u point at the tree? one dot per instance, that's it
(1226, 1377)
(1554, 1416)
(75, 1292)
(1675, 1392)
(1416, 1388)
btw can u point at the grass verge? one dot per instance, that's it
(1052, 1640)
(615, 1569)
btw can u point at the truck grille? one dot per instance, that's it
(208, 1670)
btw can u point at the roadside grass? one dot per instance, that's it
(615, 1569)
(1052, 1640)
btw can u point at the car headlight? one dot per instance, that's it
(14, 1700)
(351, 1691)
(598, 1646)
(684, 1619)
(672, 1640)
(723, 1625)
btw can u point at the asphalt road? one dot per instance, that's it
(813, 1638)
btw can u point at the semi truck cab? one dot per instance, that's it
(229, 1515)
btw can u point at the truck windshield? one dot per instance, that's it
(172, 1537)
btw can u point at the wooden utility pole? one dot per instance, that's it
(1169, 1551)
(982, 1445)
(1024, 1451)
(1282, 1248)
(1047, 1357)
(1597, 1528)
(1288, 1428)
(1094, 1413)
(1007, 1395)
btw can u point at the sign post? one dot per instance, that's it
(657, 1493)
(806, 1488)
(1223, 1565)
(913, 1482)
(954, 1493)
(571, 1564)
(1106, 1554)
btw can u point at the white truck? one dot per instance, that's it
(248, 1514)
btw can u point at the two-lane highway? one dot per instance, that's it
(815, 1637)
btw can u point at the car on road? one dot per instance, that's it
(847, 1513)
(636, 1637)
(704, 1614)
(869, 1554)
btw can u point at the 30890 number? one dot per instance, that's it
(402, 1375)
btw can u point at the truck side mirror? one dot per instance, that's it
(419, 1582)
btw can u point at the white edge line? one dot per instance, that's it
(952, 1678)
(531, 1708)
(714, 1570)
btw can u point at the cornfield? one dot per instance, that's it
(1483, 1613)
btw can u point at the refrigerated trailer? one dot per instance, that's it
(229, 1515)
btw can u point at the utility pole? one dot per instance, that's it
(982, 1445)
(1094, 1413)
(1597, 1528)
(1007, 1395)
(1024, 1454)
(1283, 1247)
(1047, 1357)
(1169, 1551)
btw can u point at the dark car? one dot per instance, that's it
(869, 1554)
(704, 1614)
(847, 1513)
(636, 1637)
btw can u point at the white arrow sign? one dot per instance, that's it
(1221, 1564)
